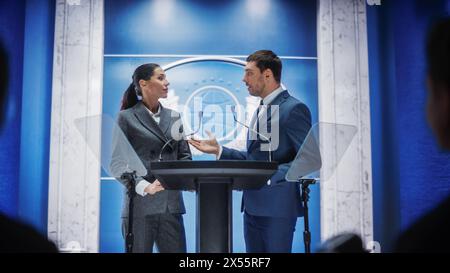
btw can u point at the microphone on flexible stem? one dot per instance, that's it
(233, 109)
(200, 116)
(163, 147)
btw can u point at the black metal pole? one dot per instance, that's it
(129, 239)
(214, 217)
(305, 198)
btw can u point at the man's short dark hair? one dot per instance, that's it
(266, 59)
(438, 53)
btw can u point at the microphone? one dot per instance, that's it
(200, 118)
(163, 147)
(174, 138)
(233, 110)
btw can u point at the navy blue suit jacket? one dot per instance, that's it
(280, 198)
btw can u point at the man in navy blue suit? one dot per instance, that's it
(270, 213)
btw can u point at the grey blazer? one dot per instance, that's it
(147, 138)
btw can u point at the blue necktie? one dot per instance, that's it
(257, 117)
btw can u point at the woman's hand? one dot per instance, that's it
(154, 187)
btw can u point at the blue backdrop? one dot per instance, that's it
(159, 31)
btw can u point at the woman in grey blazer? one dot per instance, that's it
(148, 126)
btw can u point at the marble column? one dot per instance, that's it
(346, 197)
(74, 176)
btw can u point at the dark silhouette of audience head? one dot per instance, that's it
(4, 75)
(16, 237)
(438, 62)
(430, 233)
(343, 243)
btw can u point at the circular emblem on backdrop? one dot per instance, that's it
(213, 86)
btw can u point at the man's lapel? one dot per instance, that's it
(264, 123)
(278, 101)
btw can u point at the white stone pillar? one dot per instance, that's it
(346, 198)
(74, 178)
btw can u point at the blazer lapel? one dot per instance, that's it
(164, 120)
(141, 113)
(279, 100)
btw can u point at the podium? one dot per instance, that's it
(214, 182)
